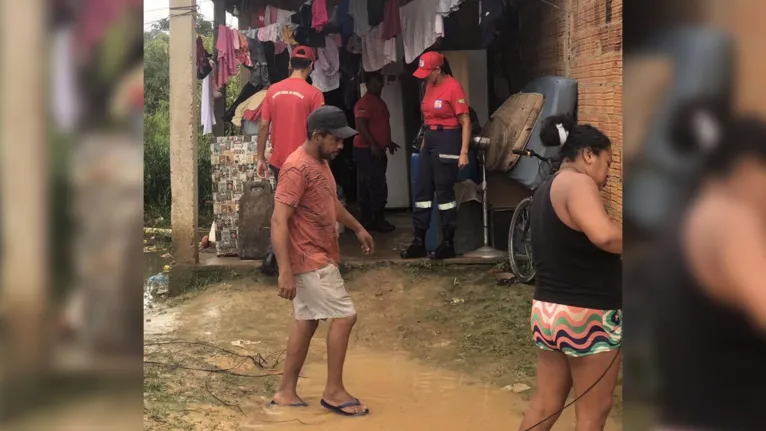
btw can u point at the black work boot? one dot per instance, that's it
(379, 224)
(417, 248)
(445, 250)
(269, 266)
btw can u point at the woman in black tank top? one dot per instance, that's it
(710, 320)
(577, 309)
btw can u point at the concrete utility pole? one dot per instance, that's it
(24, 181)
(184, 120)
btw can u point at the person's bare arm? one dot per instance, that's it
(346, 219)
(465, 125)
(280, 241)
(587, 212)
(263, 134)
(742, 256)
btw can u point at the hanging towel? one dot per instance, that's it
(227, 62)
(392, 24)
(319, 17)
(422, 26)
(326, 74)
(358, 10)
(376, 51)
(208, 114)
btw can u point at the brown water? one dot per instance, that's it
(400, 394)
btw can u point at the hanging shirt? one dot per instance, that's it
(206, 101)
(489, 11)
(304, 34)
(376, 51)
(66, 96)
(287, 105)
(375, 11)
(259, 71)
(443, 103)
(392, 24)
(446, 7)
(374, 109)
(288, 35)
(326, 74)
(243, 52)
(342, 20)
(358, 10)
(422, 26)
(227, 61)
(319, 17)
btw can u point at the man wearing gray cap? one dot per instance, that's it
(305, 240)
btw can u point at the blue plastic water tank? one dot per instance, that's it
(470, 172)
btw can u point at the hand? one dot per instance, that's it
(262, 169)
(393, 148)
(286, 286)
(462, 161)
(364, 237)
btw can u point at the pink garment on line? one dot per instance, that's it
(227, 60)
(319, 17)
(392, 24)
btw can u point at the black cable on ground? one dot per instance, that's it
(559, 411)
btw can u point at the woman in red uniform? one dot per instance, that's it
(443, 152)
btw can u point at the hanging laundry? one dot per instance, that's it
(243, 53)
(269, 33)
(319, 16)
(341, 20)
(489, 11)
(392, 24)
(422, 26)
(358, 10)
(227, 62)
(304, 34)
(249, 109)
(326, 74)
(259, 71)
(66, 96)
(206, 101)
(354, 44)
(247, 90)
(278, 16)
(446, 7)
(288, 35)
(376, 51)
(375, 11)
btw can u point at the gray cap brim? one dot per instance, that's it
(344, 132)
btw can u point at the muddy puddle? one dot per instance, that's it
(396, 374)
(398, 393)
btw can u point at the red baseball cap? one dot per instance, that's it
(303, 52)
(428, 62)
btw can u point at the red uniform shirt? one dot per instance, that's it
(443, 103)
(374, 109)
(287, 105)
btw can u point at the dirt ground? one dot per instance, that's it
(434, 348)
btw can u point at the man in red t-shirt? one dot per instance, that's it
(370, 145)
(284, 110)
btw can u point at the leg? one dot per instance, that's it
(378, 195)
(553, 384)
(335, 392)
(421, 213)
(593, 409)
(297, 349)
(424, 190)
(363, 159)
(446, 170)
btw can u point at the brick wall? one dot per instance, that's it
(587, 46)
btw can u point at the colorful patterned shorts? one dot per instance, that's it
(575, 331)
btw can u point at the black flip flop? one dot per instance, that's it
(339, 409)
(300, 404)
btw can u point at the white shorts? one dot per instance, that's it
(321, 294)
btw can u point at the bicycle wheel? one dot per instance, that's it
(520, 243)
